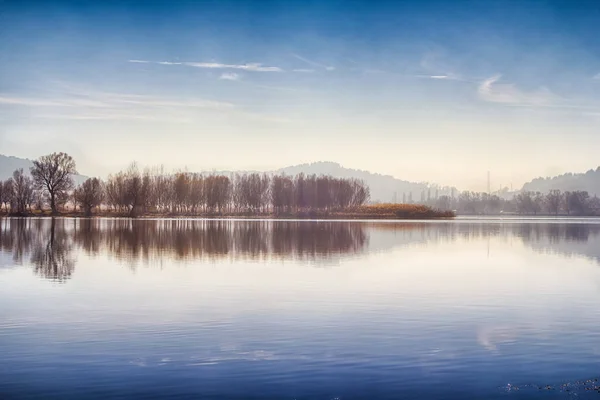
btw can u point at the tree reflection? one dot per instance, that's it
(50, 244)
(152, 240)
(52, 257)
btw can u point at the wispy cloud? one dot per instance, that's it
(303, 70)
(446, 77)
(247, 67)
(313, 63)
(506, 93)
(112, 100)
(435, 68)
(18, 101)
(597, 76)
(107, 106)
(435, 76)
(229, 76)
(114, 116)
(255, 67)
(51, 102)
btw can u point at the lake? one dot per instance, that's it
(116, 308)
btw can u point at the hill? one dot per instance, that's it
(588, 181)
(8, 164)
(384, 188)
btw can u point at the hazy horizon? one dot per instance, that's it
(422, 91)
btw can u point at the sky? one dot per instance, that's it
(433, 91)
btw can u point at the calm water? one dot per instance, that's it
(299, 310)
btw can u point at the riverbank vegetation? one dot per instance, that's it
(49, 190)
(553, 203)
(395, 211)
(152, 192)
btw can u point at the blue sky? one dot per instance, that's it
(423, 90)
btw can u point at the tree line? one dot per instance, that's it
(152, 190)
(555, 202)
(134, 192)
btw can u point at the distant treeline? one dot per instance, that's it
(555, 202)
(134, 192)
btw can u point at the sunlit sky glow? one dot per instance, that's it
(426, 91)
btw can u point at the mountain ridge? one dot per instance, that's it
(588, 181)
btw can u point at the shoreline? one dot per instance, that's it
(334, 217)
(374, 212)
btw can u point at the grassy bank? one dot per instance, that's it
(396, 211)
(379, 211)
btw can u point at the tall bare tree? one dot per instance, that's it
(89, 195)
(54, 174)
(22, 192)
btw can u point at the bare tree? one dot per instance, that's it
(136, 190)
(22, 192)
(89, 195)
(7, 193)
(54, 173)
(181, 190)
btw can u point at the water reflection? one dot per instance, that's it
(50, 244)
(52, 253)
(410, 308)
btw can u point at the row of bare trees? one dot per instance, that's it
(155, 191)
(17, 192)
(137, 192)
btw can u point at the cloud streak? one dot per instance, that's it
(313, 63)
(113, 100)
(106, 106)
(492, 91)
(229, 76)
(254, 67)
(440, 77)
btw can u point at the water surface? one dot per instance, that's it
(110, 308)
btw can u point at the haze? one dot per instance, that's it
(424, 91)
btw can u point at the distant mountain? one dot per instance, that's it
(384, 188)
(8, 164)
(588, 181)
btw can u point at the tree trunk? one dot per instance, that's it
(53, 203)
